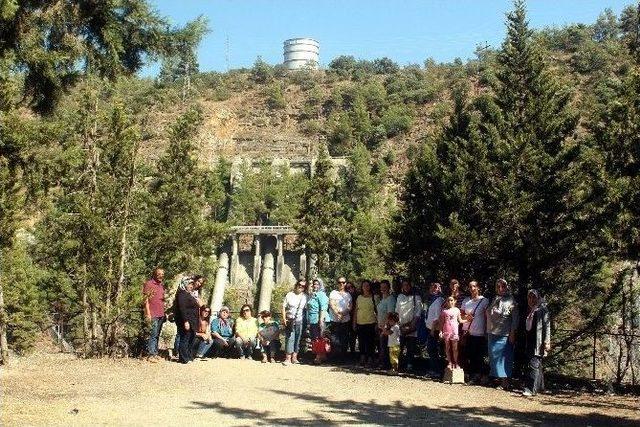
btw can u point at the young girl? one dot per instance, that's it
(269, 336)
(392, 331)
(450, 320)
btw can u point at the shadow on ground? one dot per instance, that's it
(372, 413)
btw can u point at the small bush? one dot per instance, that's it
(275, 97)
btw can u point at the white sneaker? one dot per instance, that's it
(286, 363)
(527, 393)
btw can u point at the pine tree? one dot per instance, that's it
(177, 232)
(322, 228)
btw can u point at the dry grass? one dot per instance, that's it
(54, 389)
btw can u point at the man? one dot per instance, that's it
(340, 304)
(153, 292)
(433, 305)
(409, 309)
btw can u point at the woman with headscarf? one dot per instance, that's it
(538, 341)
(317, 315)
(189, 309)
(502, 323)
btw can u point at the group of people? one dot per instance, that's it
(386, 327)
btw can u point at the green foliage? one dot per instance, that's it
(26, 310)
(261, 72)
(275, 96)
(180, 61)
(396, 120)
(45, 42)
(321, 229)
(269, 196)
(502, 190)
(177, 231)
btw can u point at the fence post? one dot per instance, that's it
(593, 371)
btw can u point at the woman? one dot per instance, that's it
(222, 333)
(474, 341)
(351, 289)
(246, 332)
(409, 308)
(538, 341)
(202, 342)
(386, 305)
(340, 303)
(364, 323)
(454, 291)
(292, 315)
(502, 323)
(317, 315)
(189, 309)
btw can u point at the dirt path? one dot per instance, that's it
(54, 389)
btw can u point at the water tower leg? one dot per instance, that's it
(221, 282)
(266, 284)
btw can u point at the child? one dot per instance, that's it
(449, 321)
(392, 331)
(269, 336)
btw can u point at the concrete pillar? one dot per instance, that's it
(312, 272)
(266, 284)
(235, 261)
(257, 259)
(303, 264)
(279, 258)
(222, 278)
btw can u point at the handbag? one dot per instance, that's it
(464, 336)
(410, 327)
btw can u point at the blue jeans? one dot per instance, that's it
(154, 335)
(293, 334)
(203, 348)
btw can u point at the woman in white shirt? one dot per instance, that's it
(292, 312)
(340, 304)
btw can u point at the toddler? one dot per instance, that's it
(392, 331)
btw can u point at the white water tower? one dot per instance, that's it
(301, 53)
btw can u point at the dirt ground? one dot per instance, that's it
(56, 389)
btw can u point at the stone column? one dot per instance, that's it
(221, 282)
(312, 272)
(234, 258)
(266, 284)
(257, 259)
(279, 259)
(303, 264)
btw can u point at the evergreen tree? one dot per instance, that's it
(177, 233)
(322, 229)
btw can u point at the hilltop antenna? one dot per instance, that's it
(226, 52)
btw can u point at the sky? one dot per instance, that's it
(407, 31)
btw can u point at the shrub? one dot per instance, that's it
(396, 120)
(275, 97)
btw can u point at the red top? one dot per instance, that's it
(154, 292)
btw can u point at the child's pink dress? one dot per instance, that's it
(450, 324)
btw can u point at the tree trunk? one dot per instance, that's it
(4, 346)
(85, 312)
(124, 244)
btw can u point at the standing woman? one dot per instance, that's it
(502, 323)
(292, 315)
(246, 333)
(386, 305)
(317, 315)
(351, 289)
(538, 339)
(340, 303)
(189, 308)
(364, 323)
(474, 333)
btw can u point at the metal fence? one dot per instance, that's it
(599, 355)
